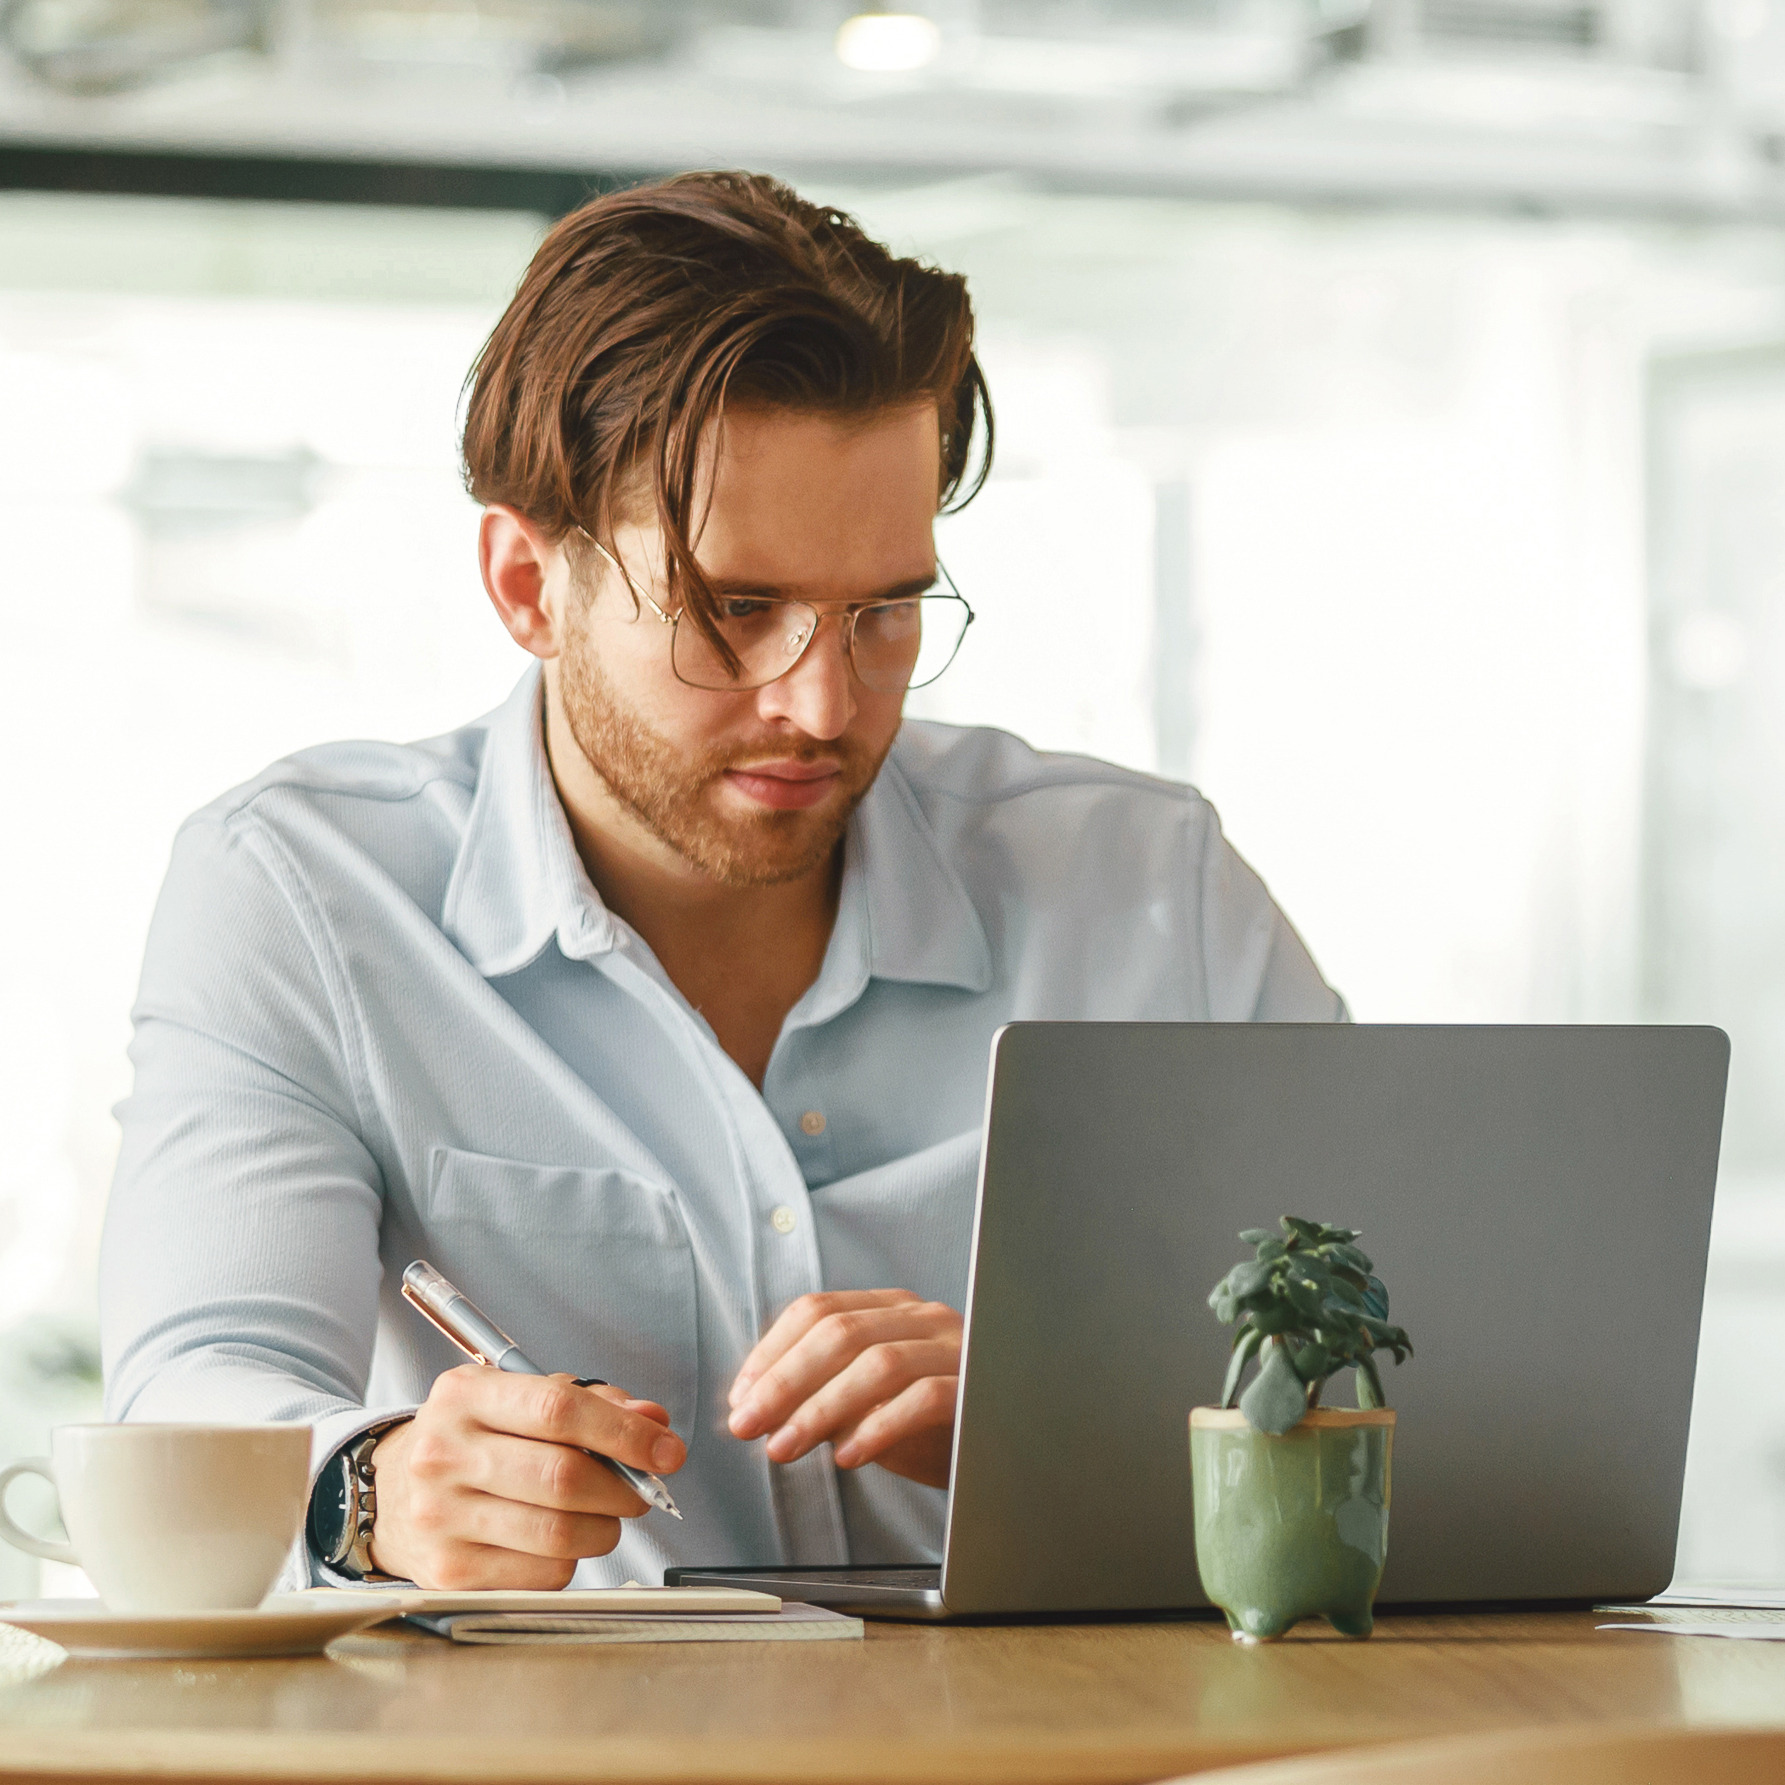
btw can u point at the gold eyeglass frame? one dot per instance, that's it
(847, 620)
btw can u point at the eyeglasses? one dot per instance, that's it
(892, 645)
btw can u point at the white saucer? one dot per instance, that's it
(284, 1625)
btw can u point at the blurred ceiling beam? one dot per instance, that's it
(1627, 107)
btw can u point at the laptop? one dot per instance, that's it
(1537, 1199)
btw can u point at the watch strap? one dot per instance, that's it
(362, 1501)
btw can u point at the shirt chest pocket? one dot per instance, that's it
(588, 1271)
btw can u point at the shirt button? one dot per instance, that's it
(784, 1220)
(812, 1123)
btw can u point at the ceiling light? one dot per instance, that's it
(888, 42)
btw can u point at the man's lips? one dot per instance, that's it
(788, 785)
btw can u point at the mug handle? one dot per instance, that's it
(47, 1547)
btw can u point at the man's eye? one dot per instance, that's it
(889, 616)
(742, 607)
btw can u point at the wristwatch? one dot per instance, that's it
(344, 1507)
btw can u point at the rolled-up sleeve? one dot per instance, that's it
(239, 1271)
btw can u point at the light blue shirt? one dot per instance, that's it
(384, 1015)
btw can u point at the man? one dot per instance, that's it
(653, 1009)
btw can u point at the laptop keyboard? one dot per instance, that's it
(920, 1578)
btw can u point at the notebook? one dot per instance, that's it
(631, 1613)
(405, 1601)
(791, 1623)
(1755, 1623)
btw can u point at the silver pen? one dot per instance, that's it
(484, 1342)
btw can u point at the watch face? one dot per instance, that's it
(331, 1507)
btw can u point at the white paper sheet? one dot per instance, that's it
(1754, 1623)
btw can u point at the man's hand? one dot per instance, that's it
(874, 1371)
(488, 1485)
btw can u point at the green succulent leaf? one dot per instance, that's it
(1276, 1317)
(1308, 1299)
(1369, 1384)
(1278, 1397)
(1382, 1333)
(1245, 1346)
(1247, 1279)
(1389, 1338)
(1307, 1306)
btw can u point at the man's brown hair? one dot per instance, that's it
(646, 310)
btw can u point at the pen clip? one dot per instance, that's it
(435, 1321)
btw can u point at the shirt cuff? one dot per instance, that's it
(328, 1437)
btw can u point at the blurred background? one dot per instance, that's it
(1392, 441)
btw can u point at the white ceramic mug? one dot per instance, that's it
(171, 1518)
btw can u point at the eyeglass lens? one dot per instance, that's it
(895, 645)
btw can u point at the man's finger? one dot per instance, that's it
(877, 1376)
(827, 1350)
(651, 1410)
(924, 1406)
(798, 1318)
(553, 1476)
(620, 1398)
(474, 1567)
(554, 1409)
(534, 1530)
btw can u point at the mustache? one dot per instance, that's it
(748, 756)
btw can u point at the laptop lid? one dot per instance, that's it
(1537, 1199)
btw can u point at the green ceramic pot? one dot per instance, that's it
(1292, 1527)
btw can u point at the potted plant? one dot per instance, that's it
(1292, 1497)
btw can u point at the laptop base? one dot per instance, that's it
(913, 1594)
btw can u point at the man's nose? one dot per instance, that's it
(818, 693)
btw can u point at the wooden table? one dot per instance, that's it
(1036, 1703)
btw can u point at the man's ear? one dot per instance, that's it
(523, 574)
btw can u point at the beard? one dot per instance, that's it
(670, 790)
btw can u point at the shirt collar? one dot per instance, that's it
(902, 912)
(920, 924)
(518, 881)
